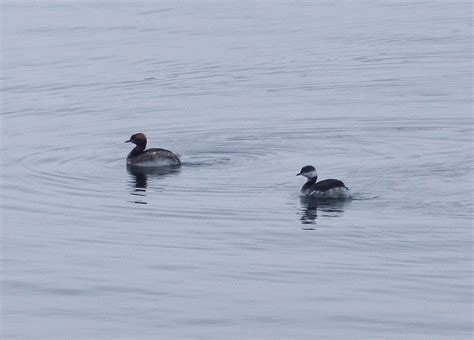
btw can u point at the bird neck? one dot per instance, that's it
(136, 150)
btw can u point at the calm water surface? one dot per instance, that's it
(378, 94)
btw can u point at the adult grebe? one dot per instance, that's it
(151, 157)
(326, 188)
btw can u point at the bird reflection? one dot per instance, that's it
(312, 208)
(141, 175)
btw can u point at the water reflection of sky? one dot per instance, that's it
(140, 176)
(312, 209)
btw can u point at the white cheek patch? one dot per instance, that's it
(311, 174)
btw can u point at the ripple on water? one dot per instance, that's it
(229, 164)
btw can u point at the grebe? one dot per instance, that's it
(327, 188)
(151, 157)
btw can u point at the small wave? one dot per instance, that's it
(203, 160)
(363, 197)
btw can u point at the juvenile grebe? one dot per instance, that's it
(151, 157)
(326, 188)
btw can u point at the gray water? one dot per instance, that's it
(377, 94)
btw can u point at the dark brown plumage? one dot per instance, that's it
(151, 157)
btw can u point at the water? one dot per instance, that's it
(377, 94)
